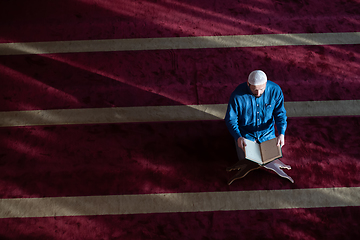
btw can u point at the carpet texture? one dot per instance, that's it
(168, 157)
(94, 19)
(174, 77)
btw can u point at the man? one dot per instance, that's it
(254, 108)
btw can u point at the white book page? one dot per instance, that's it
(252, 151)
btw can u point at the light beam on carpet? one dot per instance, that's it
(165, 113)
(179, 202)
(137, 44)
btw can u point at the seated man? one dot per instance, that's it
(254, 108)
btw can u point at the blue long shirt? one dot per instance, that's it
(254, 118)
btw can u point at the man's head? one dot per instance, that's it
(257, 82)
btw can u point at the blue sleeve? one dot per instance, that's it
(280, 114)
(231, 118)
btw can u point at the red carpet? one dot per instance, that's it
(112, 159)
(92, 19)
(168, 157)
(205, 76)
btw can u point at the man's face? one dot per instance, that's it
(257, 90)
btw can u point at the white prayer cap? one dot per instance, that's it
(257, 77)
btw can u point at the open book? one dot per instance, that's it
(262, 153)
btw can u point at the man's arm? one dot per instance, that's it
(232, 123)
(231, 119)
(280, 119)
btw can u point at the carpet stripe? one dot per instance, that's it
(164, 113)
(234, 41)
(179, 202)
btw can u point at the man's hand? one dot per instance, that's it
(280, 140)
(241, 143)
